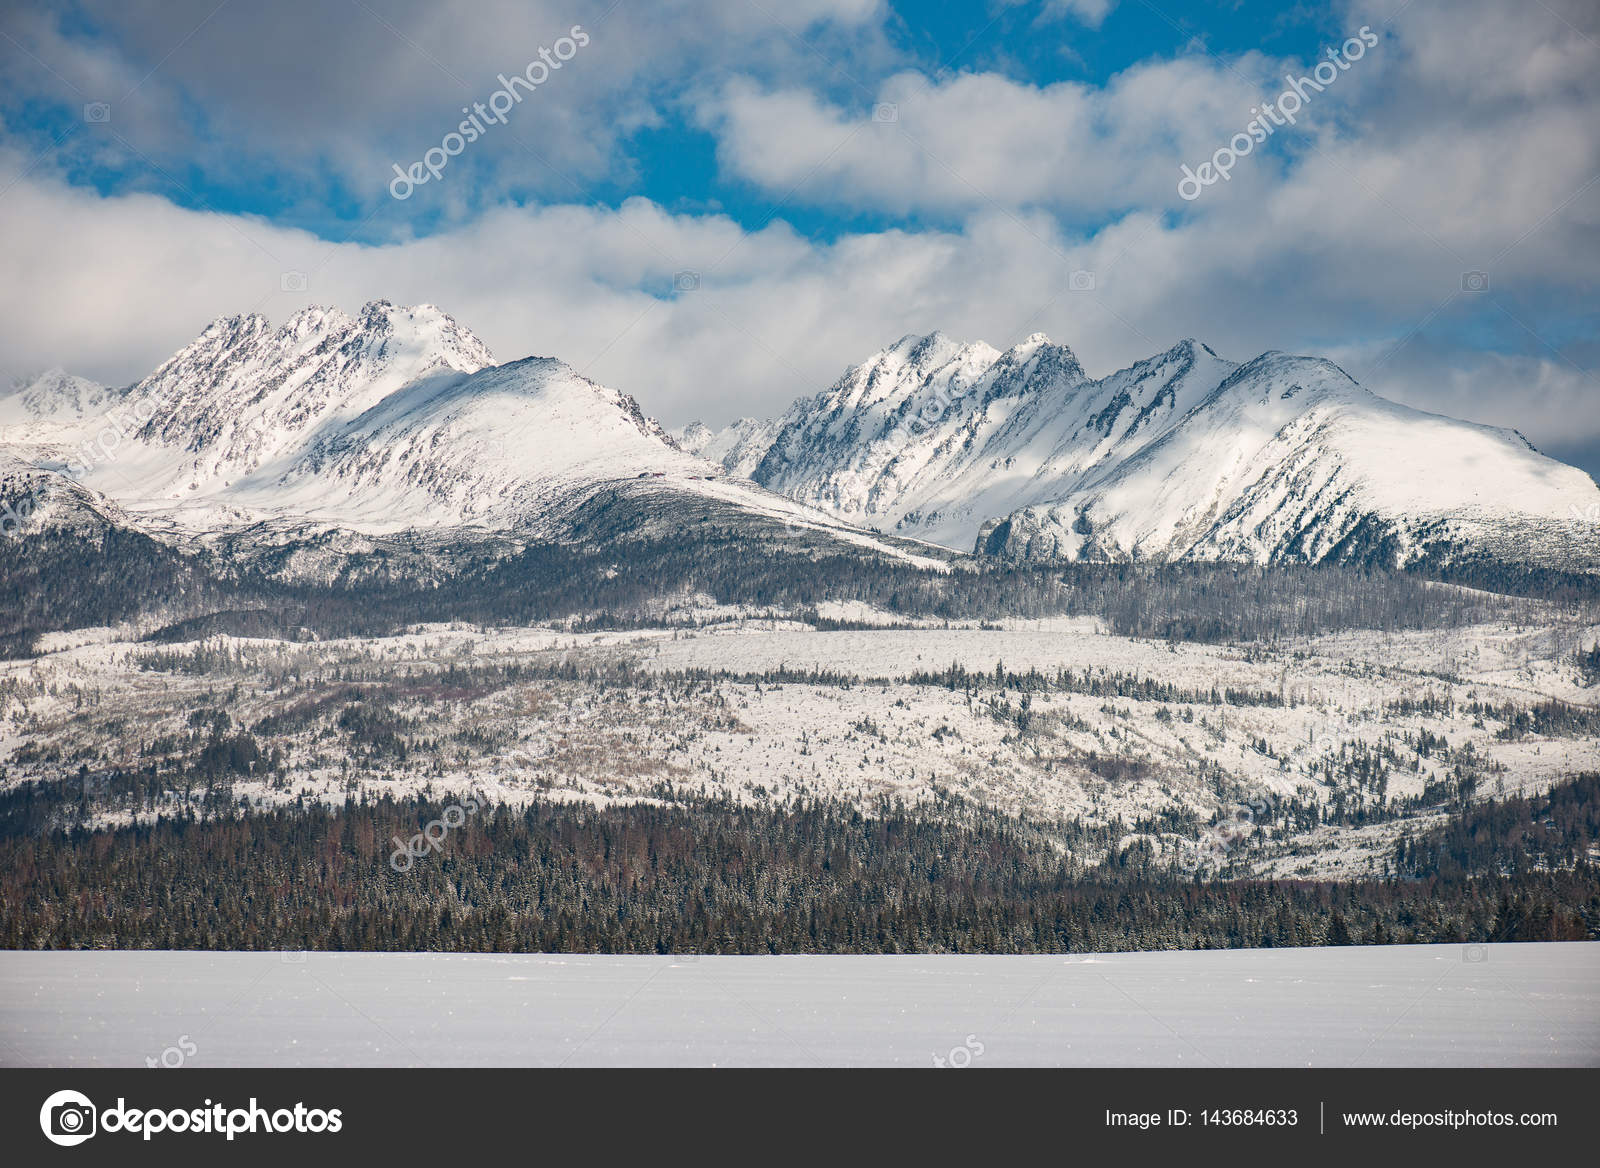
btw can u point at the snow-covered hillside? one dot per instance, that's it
(1182, 456)
(1137, 733)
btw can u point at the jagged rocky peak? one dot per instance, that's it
(250, 386)
(913, 359)
(917, 364)
(937, 349)
(738, 446)
(419, 337)
(1036, 364)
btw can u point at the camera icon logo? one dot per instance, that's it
(67, 1118)
(98, 112)
(1081, 281)
(1474, 954)
(685, 281)
(960, 1057)
(1474, 281)
(292, 281)
(885, 112)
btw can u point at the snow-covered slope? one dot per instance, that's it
(34, 500)
(498, 447)
(1182, 456)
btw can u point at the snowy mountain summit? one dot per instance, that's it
(1182, 456)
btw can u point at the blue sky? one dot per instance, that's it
(836, 173)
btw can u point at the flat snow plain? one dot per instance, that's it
(1413, 1005)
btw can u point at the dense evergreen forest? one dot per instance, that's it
(725, 878)
(1558, 829)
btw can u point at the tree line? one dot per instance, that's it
(720, 877)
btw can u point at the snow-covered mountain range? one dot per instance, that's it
(394, 420)
(1184, 455)
(398, 420)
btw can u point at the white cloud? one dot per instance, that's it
(121, 282)
(977, 140)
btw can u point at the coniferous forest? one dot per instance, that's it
(724, 878)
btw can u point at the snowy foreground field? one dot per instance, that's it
(1421, 1005)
